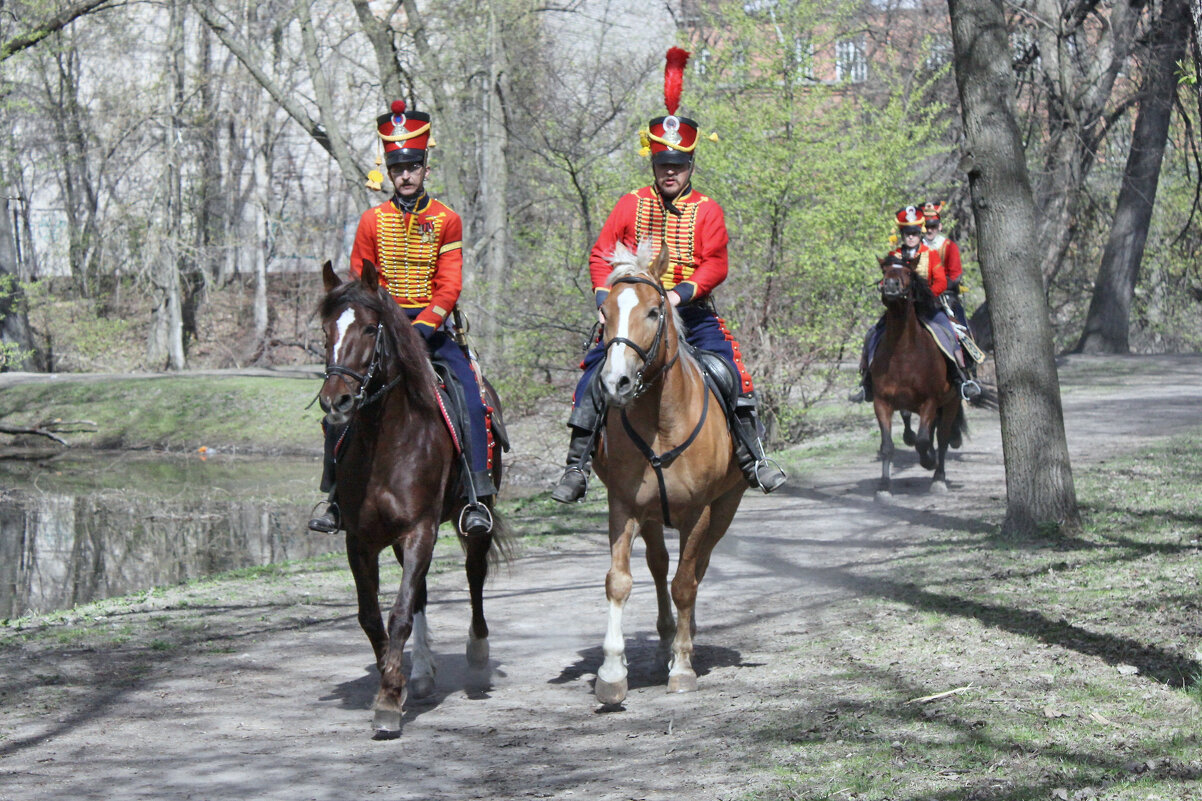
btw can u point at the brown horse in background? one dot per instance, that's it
(910, 374)
(666, 458)
(397, 478)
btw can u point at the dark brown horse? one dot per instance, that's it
(910, 374)
(397, 479)
(666, 458)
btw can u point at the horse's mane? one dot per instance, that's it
(404, 346)
(925, 302)
(637, 264)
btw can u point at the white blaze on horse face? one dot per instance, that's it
(617, 363)
(345, 320)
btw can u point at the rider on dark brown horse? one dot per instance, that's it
(416, 244)
(673, 215)
(929, 267)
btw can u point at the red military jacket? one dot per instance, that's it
(696, 240)
(949, 256)
(929, 268)
(419, 256)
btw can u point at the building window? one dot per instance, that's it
(851, 60)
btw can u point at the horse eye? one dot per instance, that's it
(653, 314)
(369, 330)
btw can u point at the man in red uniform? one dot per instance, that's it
(949, 256)
(673, 215)
(929, 267)
(416, 243)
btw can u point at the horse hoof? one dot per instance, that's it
(422, 687)
(477, 653)
(387, 724)
(884, 496)
(610, 692)
(938, 487)
(909, 438)
(682, 683)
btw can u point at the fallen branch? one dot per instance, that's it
(7, 429)
(937, 696)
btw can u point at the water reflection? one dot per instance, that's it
(83, 528)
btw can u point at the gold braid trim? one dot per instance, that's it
(406, 135)
(653, 138)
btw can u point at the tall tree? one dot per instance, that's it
(1109, 318)
(1039, 479)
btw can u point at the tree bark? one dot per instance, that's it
(493, 189)
(14, 325)
(1039, 480)
(1108, 321)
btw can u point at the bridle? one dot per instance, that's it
(641, 382)
(894, 291)
(364, 381)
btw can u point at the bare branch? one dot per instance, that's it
(52, 25)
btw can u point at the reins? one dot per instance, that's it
(657, 461)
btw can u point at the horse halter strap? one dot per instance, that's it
(640, 383)
(365, 380)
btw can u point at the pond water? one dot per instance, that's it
(82, 527)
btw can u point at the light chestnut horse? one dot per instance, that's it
(666, 457)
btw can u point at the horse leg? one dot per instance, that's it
(657, 562)
(477, 571)
(611, 683)
(390, 700)
(924, 444)
(884, 419)
(907, 435)
(693, 555)
(950, 420)
(365, 567)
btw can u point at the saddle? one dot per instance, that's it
(719, 376)
(454, 408)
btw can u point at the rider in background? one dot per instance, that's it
(949, 256)
(673, 215)
(416, 243)
(929, 267)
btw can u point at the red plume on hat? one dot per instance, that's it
(674, 77)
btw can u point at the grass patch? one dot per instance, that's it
(1072, 663)
(246, 414)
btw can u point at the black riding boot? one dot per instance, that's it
(574, 481)
(864, 391)
(476, 518)
(329, 521)
(758, 469)
(585, 421)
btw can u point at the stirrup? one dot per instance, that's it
(475, 507)
(775, 481)
(327, 523)
(571, 493)
(969, 390)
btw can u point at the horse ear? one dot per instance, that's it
(329, 277)
(369, 276)
(660, 263)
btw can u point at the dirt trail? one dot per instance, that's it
(283, 714)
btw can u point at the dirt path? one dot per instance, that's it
(280, 710)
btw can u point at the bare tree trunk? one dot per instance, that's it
(1108, 321)
(166, 336)
(1039, 479)
(493, 189)
(14, 325)
(262, 236)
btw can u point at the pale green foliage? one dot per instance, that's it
(809, 174)
(10, 352)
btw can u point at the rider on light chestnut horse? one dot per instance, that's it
(415, 243)
(691, 227)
